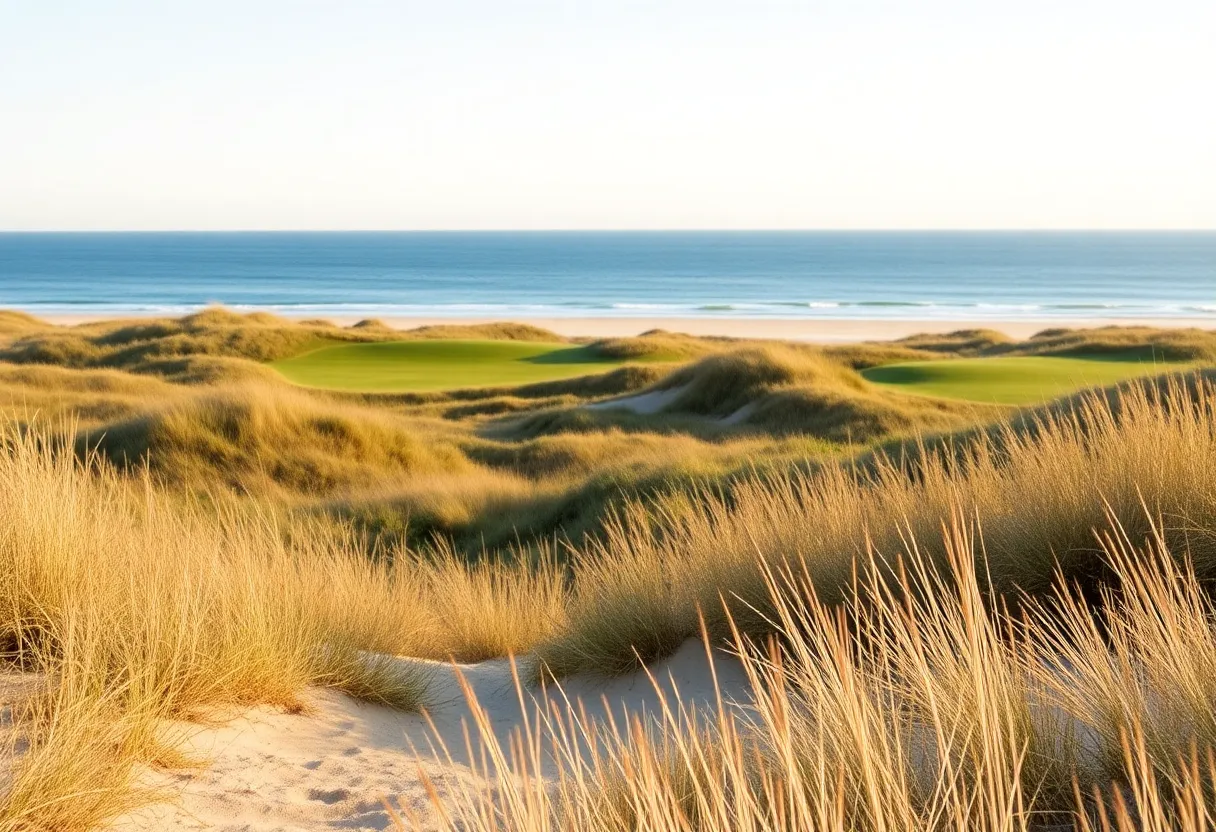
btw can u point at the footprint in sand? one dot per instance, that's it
(328, 796)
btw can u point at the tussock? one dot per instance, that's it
(236, 436)
(661, 345)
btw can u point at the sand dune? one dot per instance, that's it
(334, 767)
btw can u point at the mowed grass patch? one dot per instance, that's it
(1012, 379)
(398, 366)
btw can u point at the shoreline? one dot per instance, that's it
(785, 329)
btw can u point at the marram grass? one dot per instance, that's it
(135, 607)
(914, 706)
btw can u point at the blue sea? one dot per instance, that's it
(811, 275)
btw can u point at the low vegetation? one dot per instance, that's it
(1039, 495)
(445, 364)
(1012, 379)
(913, 705)
(1125, 342)
(182, 528)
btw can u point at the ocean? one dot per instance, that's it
(811, 275)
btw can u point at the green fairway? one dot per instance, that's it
(1010, 380)
(397, 366)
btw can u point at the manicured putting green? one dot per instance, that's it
(397, 366)
(1010, 380)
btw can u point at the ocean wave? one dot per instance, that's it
(1085, 306)
(897, 303)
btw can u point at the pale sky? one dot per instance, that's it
(477, 114)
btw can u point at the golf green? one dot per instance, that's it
(1013, 379)
(397, 366)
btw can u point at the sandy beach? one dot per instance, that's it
(791, 329)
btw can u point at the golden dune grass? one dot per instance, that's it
(1040, 493)
(138, 606)
(253, 436)
(915, 705)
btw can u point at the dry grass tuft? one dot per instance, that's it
(242, 435)
(658, 344)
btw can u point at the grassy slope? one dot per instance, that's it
(440, 365)
(913, 706)
(146, 603)
(767, 389)
(192, 398)
(1010, 379)
(1039, 494)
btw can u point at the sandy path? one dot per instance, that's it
(656, 401)
(330, 769)
(645, 404)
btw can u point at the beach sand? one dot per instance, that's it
(791, 329)
(336, 766)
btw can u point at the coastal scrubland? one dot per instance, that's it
(955, 612)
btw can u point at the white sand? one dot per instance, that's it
(816, 331)
(656, 401)
(741, 415)
(331, 769)
(645, 404)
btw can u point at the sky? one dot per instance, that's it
(506, 114)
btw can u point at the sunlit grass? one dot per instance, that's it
(440, 365)
(1012, 379)
(914, 705)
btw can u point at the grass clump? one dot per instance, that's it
(136, 607)
(659, 345)
(243, 436)
(14, 323)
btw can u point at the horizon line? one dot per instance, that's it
(674, 230)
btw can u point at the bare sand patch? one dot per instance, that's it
(644, 404)
(333, 768)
